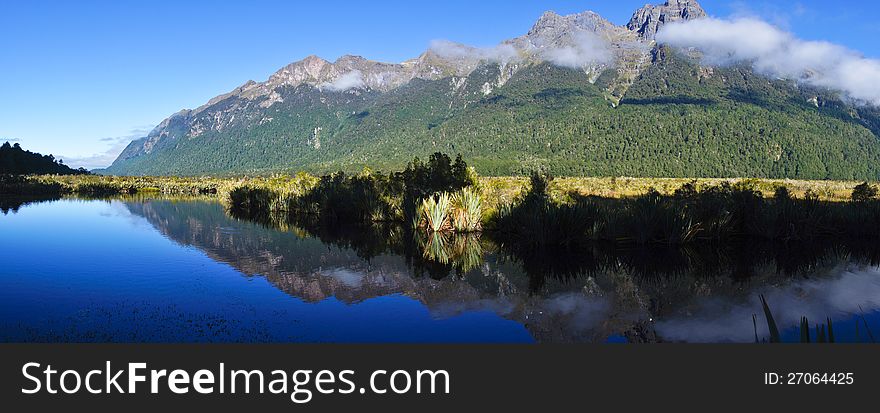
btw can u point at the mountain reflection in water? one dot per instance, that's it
(706, 294)
(150, 269)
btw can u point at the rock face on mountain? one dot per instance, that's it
(648, 20)
(583, 41)
(576, 94)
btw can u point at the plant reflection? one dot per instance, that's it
(702, 292)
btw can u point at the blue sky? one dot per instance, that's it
(81, 79)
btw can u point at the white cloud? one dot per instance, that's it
(503, 53)
(588, 48)
(778, 53)
(723, 319)
(350, 80)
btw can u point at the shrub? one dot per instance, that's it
(535, 222)
(435, 211)
(467, 210)
(782, 194)
(864, 192)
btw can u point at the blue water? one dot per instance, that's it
(92, 271)
(160, 270)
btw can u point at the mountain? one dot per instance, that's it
(648, 20)
(16, 161)
(576, 94)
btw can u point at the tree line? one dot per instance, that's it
(16, 161)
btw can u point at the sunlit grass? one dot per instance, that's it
(500, 190)
(495, 191)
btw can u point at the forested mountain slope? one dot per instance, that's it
(642, 110)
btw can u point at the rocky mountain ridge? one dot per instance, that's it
(586, 41)
(576, 94)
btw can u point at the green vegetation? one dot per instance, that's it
(28, 185)
(441, 197)
(16, 161)
(467, 210)
(460, 212)
(545, 214)
(366, 198)
(537, 224)
(864, 192)
(693, 213)
(675, 121)
(95, 185)
(445, 195)
(434, 213)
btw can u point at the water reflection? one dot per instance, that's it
(839, 296)
(11, 204)
(707, 293)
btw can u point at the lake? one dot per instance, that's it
(150, 269)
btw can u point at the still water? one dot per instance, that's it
(161, 270)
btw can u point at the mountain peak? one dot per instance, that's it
(647, 20)
(312, 64)
(350, 58)
(310, 68)
(548, 17)
(550, 21)
(490, 103)
(312, 59)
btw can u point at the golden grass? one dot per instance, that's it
(495, 191)
(501, 190)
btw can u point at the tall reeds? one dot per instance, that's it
(824, 332)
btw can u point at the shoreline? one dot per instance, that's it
(503, 187)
